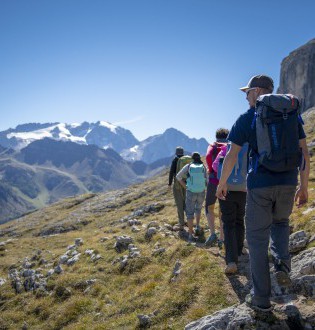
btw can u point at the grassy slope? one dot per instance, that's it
(114, 301)
(117, 297)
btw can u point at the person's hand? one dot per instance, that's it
(301, 197)
(221, 191)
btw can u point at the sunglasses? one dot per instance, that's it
(249, 89)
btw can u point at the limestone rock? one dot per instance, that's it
(73, 260)
(150, 232)
(2, 246)
(298, 241)
(58, 269)
(229, 318)
(303, 273)
(122, 243)
(144, 320)
(298, 74)
(153, 224)
(135, 229)
(78, 241)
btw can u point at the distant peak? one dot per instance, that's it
(107, 125)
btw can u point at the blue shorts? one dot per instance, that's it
(194, 203)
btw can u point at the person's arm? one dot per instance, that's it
(228, 164)
(180, 175)
(216, 162)
(301, 195)
(209, 158)
(172, 172)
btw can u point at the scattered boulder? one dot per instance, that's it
(144, 320)
(73, 260)
(2, 246)
(122, 243)
(63, 259)
(104, 239)
(153, 224)
(158, 251)
(2, 281)
(78, 241)
(150, 232)
(297, 241)
(58, 269)
(94, 257)
(153, 208)
(134, 252)
(135, 229)
(27, 279)
(133, 222)
(176, 270)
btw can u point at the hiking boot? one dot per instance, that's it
(197, 230)
(191, 238)
(255, 307)
(231, 268)
(212, 239)
(282, 274)
(220, 243)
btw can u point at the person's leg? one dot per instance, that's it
(228, 209)
(209, 206)
(190, 206)
(179, 196)
(221, 226)
(258, 218)
(198, 206)
(280, 230)
(239, 225)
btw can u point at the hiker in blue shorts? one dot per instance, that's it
(278, 151)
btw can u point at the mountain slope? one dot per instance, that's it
(48, 170)
(162, 277)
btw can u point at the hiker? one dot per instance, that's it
(212, 152)
(271, 184)
(233, 207)
(196, 179)
(178, 191)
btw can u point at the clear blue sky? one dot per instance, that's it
(145, 65)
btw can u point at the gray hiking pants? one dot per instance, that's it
(267, 216)
(179, 196)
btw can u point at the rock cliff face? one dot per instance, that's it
(298, 74)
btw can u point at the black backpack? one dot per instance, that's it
(277, 119)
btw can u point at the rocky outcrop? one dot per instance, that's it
(298, 74)
(293, 308)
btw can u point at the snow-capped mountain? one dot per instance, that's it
(104, 135)
(163, 145)
(101, 133)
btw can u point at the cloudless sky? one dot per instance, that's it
(145, 65)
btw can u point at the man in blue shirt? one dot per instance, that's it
(270, 199)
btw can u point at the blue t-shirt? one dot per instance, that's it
(241, 133)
